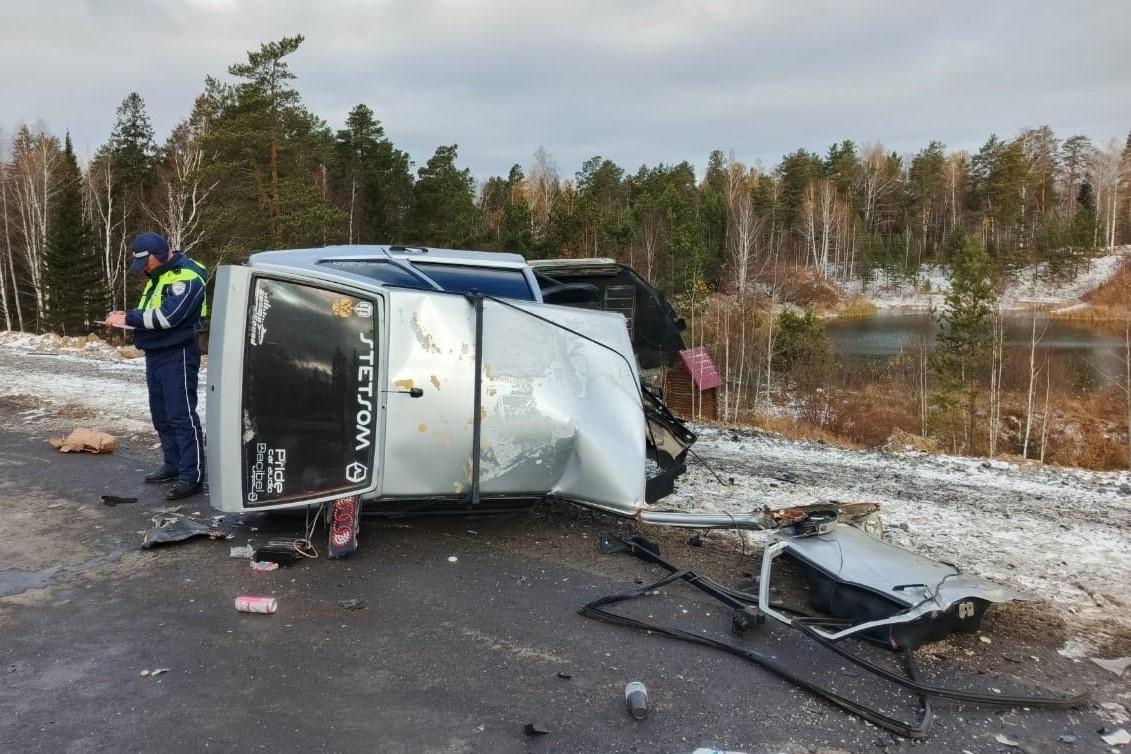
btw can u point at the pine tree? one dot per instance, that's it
(121, 179)
(443, 208)
(271, 158)
(963, 346)
(1084, 219)
(76, 288)
(373, 178)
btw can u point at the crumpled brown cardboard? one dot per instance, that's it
(85, 440)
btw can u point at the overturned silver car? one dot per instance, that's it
(424, 380)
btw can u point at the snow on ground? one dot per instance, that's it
(87, 373)
(1028, 288)
(1063, 535)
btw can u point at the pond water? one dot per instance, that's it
(1088, 354)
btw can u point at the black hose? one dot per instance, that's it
(595, 610)
(805, 625)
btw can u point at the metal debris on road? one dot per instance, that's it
(1118, 737)
(636, 699)
(175, 527)
(353, 604)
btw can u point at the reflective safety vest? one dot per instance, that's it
(154, 290)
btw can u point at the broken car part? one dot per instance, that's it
(175, 527)
(892, 594)
(282, 551)
(744, 602)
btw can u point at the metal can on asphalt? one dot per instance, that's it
(248, 603)
(636, 698)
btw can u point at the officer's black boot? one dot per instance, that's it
(163, 474)
(183, 488)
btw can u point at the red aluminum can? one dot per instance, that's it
(248, 603)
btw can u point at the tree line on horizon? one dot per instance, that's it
(251, 168)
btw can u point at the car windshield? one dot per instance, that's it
(504, 282)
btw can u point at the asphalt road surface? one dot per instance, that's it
(445, 656)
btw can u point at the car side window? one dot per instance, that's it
(378, 269)
(491, 281)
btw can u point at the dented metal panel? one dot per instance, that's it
(561, 415)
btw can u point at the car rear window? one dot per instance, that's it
(491, 281)
(309, 397)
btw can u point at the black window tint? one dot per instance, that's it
(491, 281)
(377, 269)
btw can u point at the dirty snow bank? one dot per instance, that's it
(1057, 534)
(85, 373)
(1028, 288)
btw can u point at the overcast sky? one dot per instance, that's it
(637, 82)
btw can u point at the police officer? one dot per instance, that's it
(165, 324)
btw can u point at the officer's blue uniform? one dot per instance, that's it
(165, 326)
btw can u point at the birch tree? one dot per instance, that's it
(183, 189)
(875, 181)
(7, 247)
(543, 187)
(1034, 341)
(997, 363)
(743, 224)
(35, 160)
(1107, 175)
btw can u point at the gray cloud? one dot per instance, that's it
(635, 81)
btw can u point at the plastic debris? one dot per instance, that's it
(1118, 737)
(533, 729)
(153, 673)
(1005, 740)
(565, 676)
(1067, 738)
(345, 517)
(263, 566)
(243, 551)
(1115, 665)
(452, 559)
